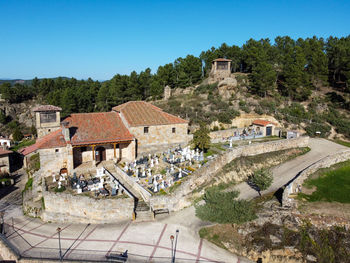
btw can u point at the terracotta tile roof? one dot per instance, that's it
(262, 122)
(222, 59)
(47, 108)
(3, 151)
(98, 127)
(53, 140)
(141, 113)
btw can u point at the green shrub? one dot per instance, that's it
(60, 190)
(206, 88)
(312, 128)
(262, 179)
(223, 207)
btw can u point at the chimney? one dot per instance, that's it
(65, 131)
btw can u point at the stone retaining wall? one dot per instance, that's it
(179, 198)
(62, 207)
(328, 161)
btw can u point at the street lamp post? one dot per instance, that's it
(59, 241)
(173, 248)
(2, 224)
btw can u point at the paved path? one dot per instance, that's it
(283, 173)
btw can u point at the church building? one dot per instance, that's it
(132, 129)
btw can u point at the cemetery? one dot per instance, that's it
(156, 173)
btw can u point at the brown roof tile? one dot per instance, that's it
(3, 151)
(222, 59)
(53, 140)
(141, 113)
(98, 127)
(47, 108)
(262, 122)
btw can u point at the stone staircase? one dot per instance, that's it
(143, 212)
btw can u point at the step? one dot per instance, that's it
(144, 216)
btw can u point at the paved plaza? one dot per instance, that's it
(145, 242)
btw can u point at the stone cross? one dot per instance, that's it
(180, 173)
(155, 186)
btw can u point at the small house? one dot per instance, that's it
(264, 127)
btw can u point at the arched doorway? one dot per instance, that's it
(100, 154)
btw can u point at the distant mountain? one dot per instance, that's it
(29, 81)
(14, 81)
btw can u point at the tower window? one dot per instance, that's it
(46, 117)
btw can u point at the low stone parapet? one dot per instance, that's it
(294, 186)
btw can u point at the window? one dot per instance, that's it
(49, 130)
(222, 65)
(83, 149)
(173, 130)
(46, 117)
(145, 129)
(57, 150)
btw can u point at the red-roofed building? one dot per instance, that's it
(132, 128)
(153, 128)
(266, 128)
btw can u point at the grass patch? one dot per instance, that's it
(344, 143)
(28, 185)
(333, 184)
(210, 152)
(268, 139)
(22, 144)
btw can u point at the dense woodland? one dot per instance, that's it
(287, 68)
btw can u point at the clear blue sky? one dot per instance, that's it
(97, 39)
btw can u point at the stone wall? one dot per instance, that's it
(157, 148)
(179, 199)
(293, 187)
(4, 163)
(53, 159)
(62, 207)
(160, 134)
(46, 128)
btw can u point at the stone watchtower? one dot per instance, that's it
(220, 69)
(47, 119)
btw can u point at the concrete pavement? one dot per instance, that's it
(145, 242)
(283, 173)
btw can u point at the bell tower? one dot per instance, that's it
(47, 119)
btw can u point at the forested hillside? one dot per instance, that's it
(283, 74)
